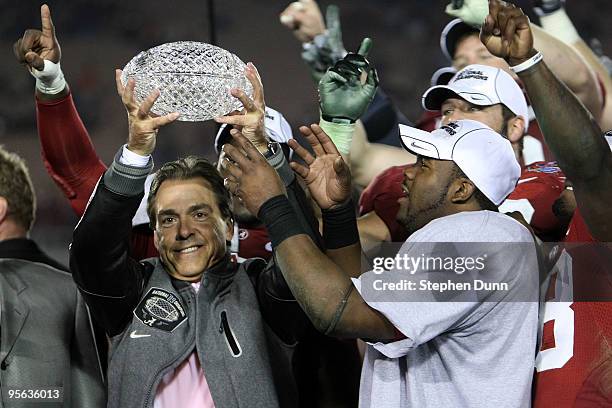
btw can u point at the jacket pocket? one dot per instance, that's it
(230, 338)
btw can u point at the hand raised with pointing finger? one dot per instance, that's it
(506, 32)
(36, 46)
(327, 176)
(143, 125)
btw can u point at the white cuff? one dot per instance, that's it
(129, 158)
(50, 80)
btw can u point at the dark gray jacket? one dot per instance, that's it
(243, 322)
(46, 338)
(223, 322)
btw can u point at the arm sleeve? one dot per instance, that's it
(67, 151)
(418, 321)
(86, 383)
(110, 281)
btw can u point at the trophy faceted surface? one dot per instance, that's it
(193, 78)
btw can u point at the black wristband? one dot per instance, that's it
(280, 219)
(340, 226)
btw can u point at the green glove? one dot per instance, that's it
(327, 48)
(343, 94)
(472, 12)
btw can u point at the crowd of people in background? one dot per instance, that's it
(244, 281)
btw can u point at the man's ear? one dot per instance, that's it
(516, 129)
(461, 190)
(4, 210)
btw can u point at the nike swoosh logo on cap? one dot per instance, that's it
(134, 335)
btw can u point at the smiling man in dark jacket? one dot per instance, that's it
(190, 325)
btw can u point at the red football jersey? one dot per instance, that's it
(574, 361)
(578, 230)
(539, 187)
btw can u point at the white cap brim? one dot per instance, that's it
(420, 142)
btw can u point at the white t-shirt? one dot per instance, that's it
(471, 349)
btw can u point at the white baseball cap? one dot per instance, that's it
(276, 125)
(485, 157)
(483, 86)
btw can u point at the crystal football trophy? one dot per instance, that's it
(193, 78)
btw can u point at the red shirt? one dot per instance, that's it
(540, 185)
(574, 363)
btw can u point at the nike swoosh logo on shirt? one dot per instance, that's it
(134, 335)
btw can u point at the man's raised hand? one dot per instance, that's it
(327, 176)
(506, 33)
(347, 88)
(143, 125)
(304, 18)
(251, 120)
(36, 46)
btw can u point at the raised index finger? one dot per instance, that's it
(47, 23)
(364, 48)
